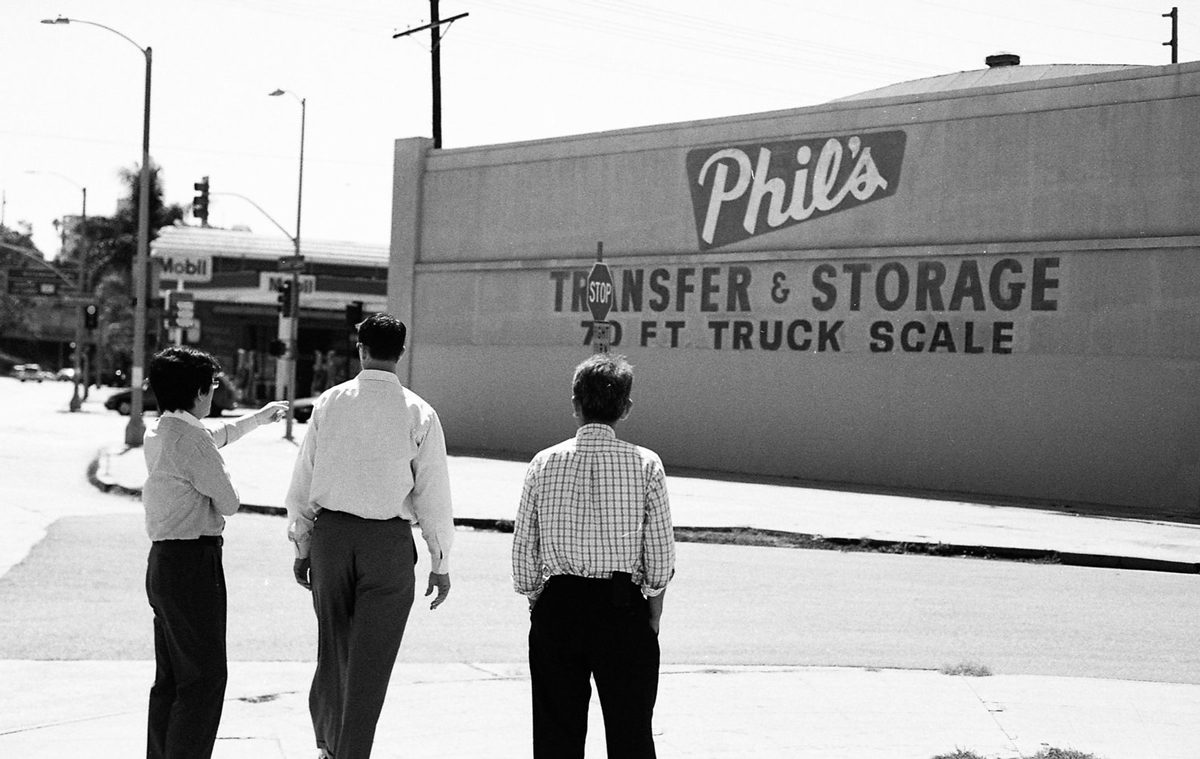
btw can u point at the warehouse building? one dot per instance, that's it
(983, 285)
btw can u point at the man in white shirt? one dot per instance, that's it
(373, 464)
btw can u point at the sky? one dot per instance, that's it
(512, 70)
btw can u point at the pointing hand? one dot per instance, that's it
(272, 412)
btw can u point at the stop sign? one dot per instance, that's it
(599, 291)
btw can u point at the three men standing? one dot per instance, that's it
(373, 464)
(593, 546)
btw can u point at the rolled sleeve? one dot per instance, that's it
(230, 432)
(526, 552)
(431, 502)
(300, 510)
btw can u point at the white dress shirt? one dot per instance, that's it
(188, 492)
(376, 450)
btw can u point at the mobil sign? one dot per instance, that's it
(190, 267)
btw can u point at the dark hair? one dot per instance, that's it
(179, 374)
(601, 387)
(384, 335)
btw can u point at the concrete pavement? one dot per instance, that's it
(475, 709)
(486, 491)
(67, 710)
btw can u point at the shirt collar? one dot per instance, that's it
(379, 375)
(185, 416)
(596, 429)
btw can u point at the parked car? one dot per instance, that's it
(225, 398)
(30, 372)
(116, 378)
(302, 408)
(66, 374)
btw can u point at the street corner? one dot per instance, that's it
(118, 468)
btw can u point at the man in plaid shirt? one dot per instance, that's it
(593, 549)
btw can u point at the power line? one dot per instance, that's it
(818, 60)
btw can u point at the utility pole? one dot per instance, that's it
(435, 36)
(1175, 34)
(435, 53)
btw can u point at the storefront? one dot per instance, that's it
(235, 279)
(990, 292)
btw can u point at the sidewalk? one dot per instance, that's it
(66, 710)
(467, 710)
(486, 492)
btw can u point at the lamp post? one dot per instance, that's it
(136, 428)
(77, 396)
(295, 265)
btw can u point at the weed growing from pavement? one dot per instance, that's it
(959, 754)
(967, 669)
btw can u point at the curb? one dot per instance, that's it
(106, 486)
(780, 538)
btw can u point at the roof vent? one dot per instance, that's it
(1002, 59)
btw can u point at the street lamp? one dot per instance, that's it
(297, 262)
(76, 396)
(136, 428)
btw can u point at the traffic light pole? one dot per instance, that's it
(80, 334)
(294, 334)
(293, 339)
(283, 336)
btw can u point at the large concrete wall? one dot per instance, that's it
(993, 293)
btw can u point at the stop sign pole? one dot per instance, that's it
(599, 301)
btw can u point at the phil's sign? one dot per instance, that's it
(748, 190)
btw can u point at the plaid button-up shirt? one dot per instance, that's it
(593, 505)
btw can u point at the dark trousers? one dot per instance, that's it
(185, 584)
(363, 584)
(583, 628)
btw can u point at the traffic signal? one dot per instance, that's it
(277, 348)
(200, 202)
(91, 316)
(354, 313)
(286, 298)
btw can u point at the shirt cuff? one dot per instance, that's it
(532, 595)
(302, 544)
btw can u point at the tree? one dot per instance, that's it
(15, 248)
(111, 242)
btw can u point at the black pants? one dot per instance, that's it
(583, 628)
(363, 584)
(185, 584)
